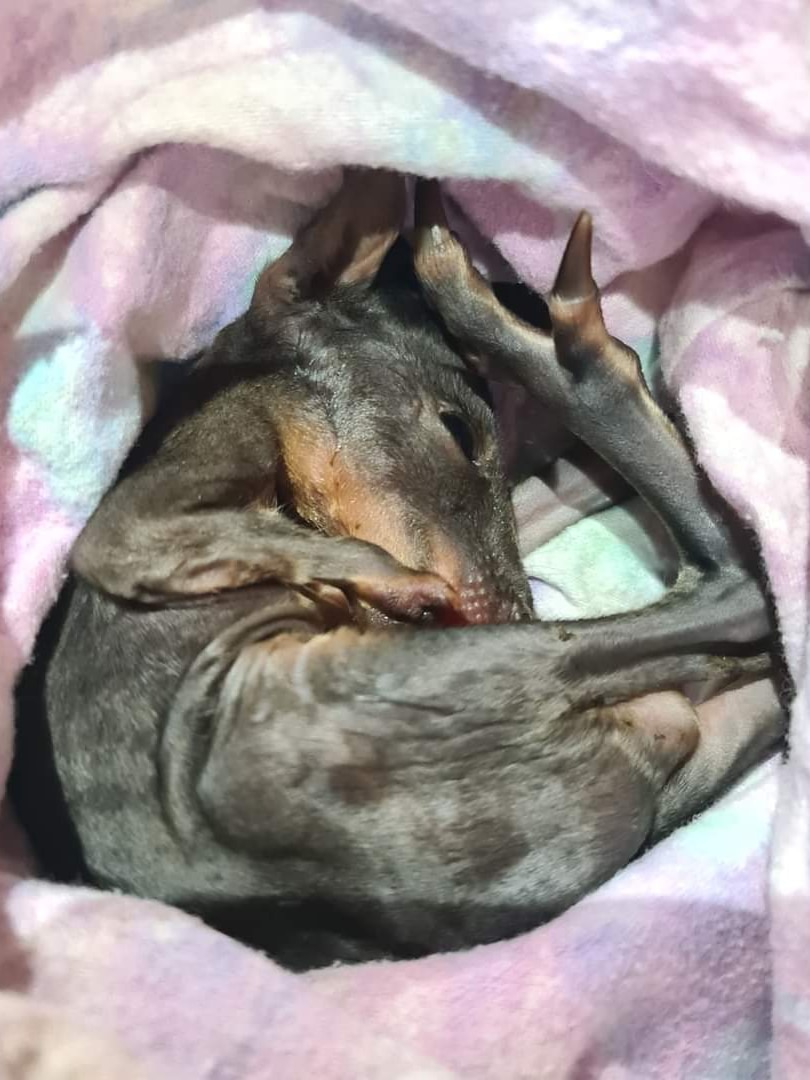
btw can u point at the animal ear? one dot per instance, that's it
(344, 244)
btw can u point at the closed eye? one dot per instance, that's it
(462, 436)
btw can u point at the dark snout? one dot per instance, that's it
(467, 534)
(435, 506)
(491, 584)
(481, 600)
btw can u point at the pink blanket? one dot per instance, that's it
(153, 154)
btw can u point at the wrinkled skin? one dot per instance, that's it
(293, 684)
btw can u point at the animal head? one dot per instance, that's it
(385, 433)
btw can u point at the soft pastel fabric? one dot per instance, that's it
(153, 155)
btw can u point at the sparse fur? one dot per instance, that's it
(264, 692)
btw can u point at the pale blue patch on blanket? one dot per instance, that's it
(74, 409)
(726, 827)
(608, 563)
(795, 1010)
(648, 356)
(602, 565)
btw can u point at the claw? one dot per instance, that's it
(574, 279)
(429, 209)
(440, 260)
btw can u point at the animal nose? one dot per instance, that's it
(480, 600)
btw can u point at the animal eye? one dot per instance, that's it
(461, 434)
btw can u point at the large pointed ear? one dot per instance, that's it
(344, 243)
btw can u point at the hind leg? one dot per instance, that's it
(595, 384)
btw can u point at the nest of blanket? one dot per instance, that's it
(154, 157)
